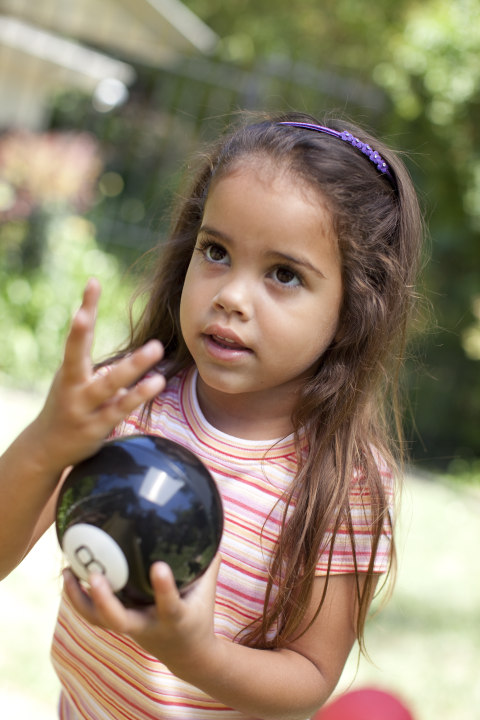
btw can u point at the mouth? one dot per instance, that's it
(226, 342)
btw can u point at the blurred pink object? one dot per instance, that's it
(49, 169)
(364, 704)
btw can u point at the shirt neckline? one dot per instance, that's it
(219, 442)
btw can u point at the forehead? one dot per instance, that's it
(259, 173)
(267, 169)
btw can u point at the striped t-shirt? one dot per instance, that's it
(105, 676)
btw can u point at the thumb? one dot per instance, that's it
(204, 588)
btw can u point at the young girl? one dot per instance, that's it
(275, 324)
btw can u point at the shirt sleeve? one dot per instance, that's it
(343, 560)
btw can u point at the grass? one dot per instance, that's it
(425, 645)
(426, 642)
(28, 602)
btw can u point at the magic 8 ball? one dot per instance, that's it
(140, 499)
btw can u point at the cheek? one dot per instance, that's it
(310, 336)
(193, 302)
(186, 301)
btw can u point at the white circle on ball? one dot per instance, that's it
(90, 549)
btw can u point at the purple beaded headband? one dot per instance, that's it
(372, 155)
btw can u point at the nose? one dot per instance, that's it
(235, 297)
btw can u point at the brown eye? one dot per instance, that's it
(215, 253)
(286, 276)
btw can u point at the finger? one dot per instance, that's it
(79, 598)
(204, 589)
(127, 400)
(113, 614)
(108, 607)
(124, 402)
(167, 597)
(95, 605)
(77, 357)
(127, 375)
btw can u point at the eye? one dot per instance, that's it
(286, 276)
(213, 252)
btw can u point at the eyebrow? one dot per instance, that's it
(300, 262)
(216, 233)
(286, 257)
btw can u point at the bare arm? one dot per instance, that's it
(80, 411)
(287, 684)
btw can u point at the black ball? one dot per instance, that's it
(140, 499)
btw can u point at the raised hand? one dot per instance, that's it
(81, 409)
(83, 406)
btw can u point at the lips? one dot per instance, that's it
(227, 342)
(224, 341)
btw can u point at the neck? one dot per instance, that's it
(248, 415)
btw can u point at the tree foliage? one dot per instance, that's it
(408, 70)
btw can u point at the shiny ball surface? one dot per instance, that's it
(140, 499)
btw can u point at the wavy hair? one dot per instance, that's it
(349, 411)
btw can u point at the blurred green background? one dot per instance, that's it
(103, 103)
(98, 115)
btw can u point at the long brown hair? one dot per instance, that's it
(346, 410)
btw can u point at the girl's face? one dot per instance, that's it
(263, 291)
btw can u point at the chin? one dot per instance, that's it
(225, 382)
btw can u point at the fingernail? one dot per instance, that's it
(95, 580)
(161, 569)
(154, 344)
(67, 575)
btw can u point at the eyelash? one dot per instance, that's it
(204, 244)
(295, 273)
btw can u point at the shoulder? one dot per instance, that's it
(376, 479)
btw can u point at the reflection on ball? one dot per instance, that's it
(365, 704)
(140, 499)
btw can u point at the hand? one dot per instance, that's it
(291, 682)
(82, 406)
(177, 630)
